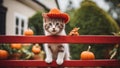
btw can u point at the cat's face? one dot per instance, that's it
(53, 26)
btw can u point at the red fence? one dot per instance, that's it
(85, 39)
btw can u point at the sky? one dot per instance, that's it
(76, 3)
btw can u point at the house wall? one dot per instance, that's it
(14, 8)
(49, 3)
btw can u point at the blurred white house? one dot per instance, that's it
(14, 14)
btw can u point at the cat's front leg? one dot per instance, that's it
(48, 58)
(61, 55)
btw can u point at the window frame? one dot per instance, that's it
(19, 24)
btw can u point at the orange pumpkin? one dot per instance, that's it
(87, 55)
(16, 45)
(28, 32)
(3, 54)
(36, 49)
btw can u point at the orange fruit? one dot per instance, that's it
(87, 55)
(28, 32)
(36, 49)
(16, 45)
(3, 54)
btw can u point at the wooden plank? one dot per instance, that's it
(72, 63)
(85, 39)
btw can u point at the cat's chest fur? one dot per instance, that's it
(54, 49)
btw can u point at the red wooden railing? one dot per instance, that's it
(86, 39)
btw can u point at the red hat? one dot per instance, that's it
(55, 13)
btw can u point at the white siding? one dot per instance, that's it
(49, 3)
(14, 7)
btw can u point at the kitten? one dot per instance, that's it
(58, 52)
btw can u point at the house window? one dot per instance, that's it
(20, 24)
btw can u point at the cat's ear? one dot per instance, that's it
(45, 17)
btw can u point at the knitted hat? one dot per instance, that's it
(55, 13)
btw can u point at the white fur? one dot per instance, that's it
(61, 55)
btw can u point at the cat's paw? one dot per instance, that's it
(59, 61)
(48, 60)
(67, 58)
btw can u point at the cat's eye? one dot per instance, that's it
(50, 24)
(57, 23)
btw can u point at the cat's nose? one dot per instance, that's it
(54, 30)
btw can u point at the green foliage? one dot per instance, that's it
(114, 6)
(114, 1)
(36, 23)
(68, 27)
(92, 20)
(6, 47)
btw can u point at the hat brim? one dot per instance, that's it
(63, 16)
